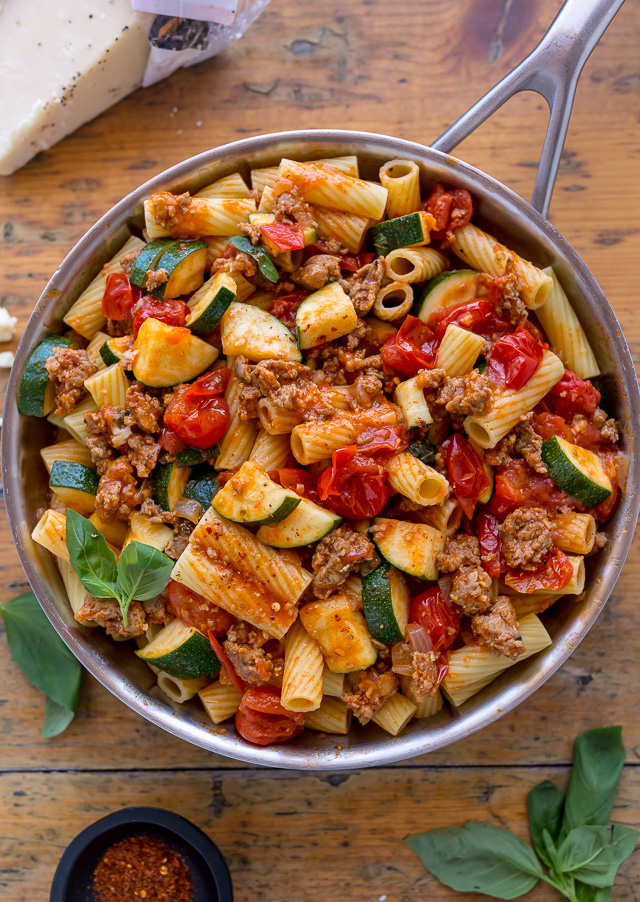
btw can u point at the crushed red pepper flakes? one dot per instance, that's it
(142, 868)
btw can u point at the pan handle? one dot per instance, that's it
(552, 69)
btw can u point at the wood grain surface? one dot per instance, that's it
(409, 69)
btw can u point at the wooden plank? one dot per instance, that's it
(289, 835)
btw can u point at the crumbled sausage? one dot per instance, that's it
(155, 278)
(471, 590)
(468, 395)
(157, 514)
(179, 542)
(459, 551)
(251, 230)
(251, 661)
(506, 287)
(286, 385)
(523, 440)
(143, 453)
(118, 491)
(145, 410)
(526, 538)
(608, 428)
(127, 260)
(106, 612)
(365, 389)
(102, 426)
(363, 286)
(336, 556)
(111, 428)
(68, 368)
(169, 208)
(368, 692)
(291, 207)
(317, 271)
(241, 263)
(431, 381)
(117, 328)
(499, 629)
(424, 673)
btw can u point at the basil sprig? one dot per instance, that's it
(141, 573)
(569, 833)
(262, 258)
(44, 659)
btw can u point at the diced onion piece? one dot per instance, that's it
(189, 509)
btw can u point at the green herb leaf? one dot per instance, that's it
(598, 759)
(593, 854)
(586, 893)
(478, 858)
(545, 804)
(44, 659)
(143, 572)
(424, 451)
(262, 258)
(91, 557)
(56, 718)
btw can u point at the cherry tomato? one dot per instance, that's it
(170, 441)
(439, 619)
(261, 719)
(413, 348)
(450, 209)
(301, 482)
(571, 396)
(354, 262)
(286, 306)
(118, 298)
(490, 545)
(225, 663)
(172, 311)
(196, 611)
(466, 472)
(517, 485)
(386, 439)
(354, 486)
(197, 414)
(286, 237)
(477, 316)
(554, 573)
(548, 424)
(514, 359)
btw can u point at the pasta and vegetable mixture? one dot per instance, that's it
(371, 437)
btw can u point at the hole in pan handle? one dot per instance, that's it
(552, 69)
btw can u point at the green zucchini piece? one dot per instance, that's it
(142, 530)
(577, 471)
(36, 393)
(168, 483)
(481, 364)
(113, 350)
(411, 230)
(210, 303)
(250, 497)
(191, 457)
(341, 632)
(385, 599)
(424, 451)
(307, 524)
(411, 547)
(75, 484)
(324, 315)
(449, 289)
(168, 355)
(248, 330)
(184, 261)
(147, 259)
(202, 488)
(182, 652)
(262, 258)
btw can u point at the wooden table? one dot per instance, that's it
(406, 68)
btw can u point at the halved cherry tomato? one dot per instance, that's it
(197, 414)
(413, 348)
(439, 619)
(286, 306)
(450, 209)
(517, 485)
(477, 316)
(514, 359)
(285, 236)
(382, 439)
(466, 472)
(301, 482)
(554, 574)
(170, 441)
(354, 486)
(572, 395)
(354, 262)
(119, 297)
(548, 424)
(196, 611)
(225, 662)
(171, 311)
(487, 531)
(261, 719)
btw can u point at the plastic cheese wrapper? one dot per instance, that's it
(63, 63)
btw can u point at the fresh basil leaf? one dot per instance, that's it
(545, 804)
(424, 451)
(593, 854)
(143, 572)
(262, 258)
(91, 557)
(549, 847)
(478, 858)
(586, 893)
(56, 718)
(598, 759)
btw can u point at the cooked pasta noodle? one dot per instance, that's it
(414, 264)
(393, 302)
(401, 178)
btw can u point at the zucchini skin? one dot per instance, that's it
(568, 476)
(377, 601)
(202, 488)
(403, 231)
(35, 378)
(192, 457)
(424, 451)
(194, 658)
(148, 258)
(71, 475)
(168, 483)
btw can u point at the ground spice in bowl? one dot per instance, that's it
(142, 868)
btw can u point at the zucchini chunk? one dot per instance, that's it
(424, 451)
(142, 530)
(181, 651)
(385, 598)
(449, 289)
(168, 355)
(36, 393)
(411, 230)
(113, 350)
(307, 524)
(147, 259)
(326, 314)
(202, 488)
(75, 485)
(168, 483)
(411, 547)
(212, 302)
(341, 632)
(250, 497)
(184, 262)
(256, 334)
(577, 471)
(191, 457)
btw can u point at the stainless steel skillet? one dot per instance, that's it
(552, 69)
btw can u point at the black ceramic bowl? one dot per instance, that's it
(74, 876)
